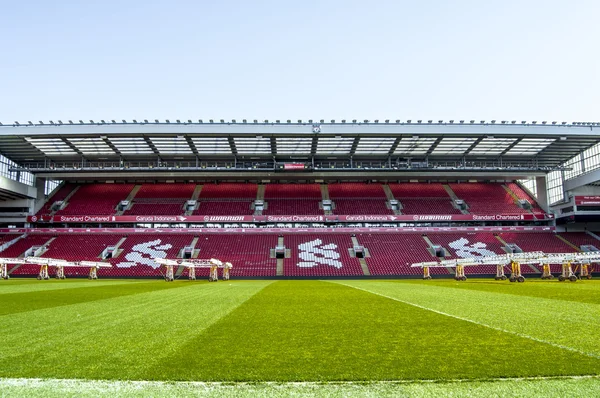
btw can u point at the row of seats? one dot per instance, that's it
(311, 254)
(350, 198)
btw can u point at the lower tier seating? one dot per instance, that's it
(393, 254)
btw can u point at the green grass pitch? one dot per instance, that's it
(359, 337)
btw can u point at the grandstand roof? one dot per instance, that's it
(547, 144)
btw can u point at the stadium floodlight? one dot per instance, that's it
(524, 122)
(124, 121)
(553, 122)
(310, 120)
(103, 122)
(376, 120)
(321, 121)
(534, 122)
(366, 121)
(430, 121)
(80, 121)
(91, 121)
(483, 122)
(200, 121)
(113, 121)
(353, 120)
(60, 122)
(299, 121)
(419, 121)
(440, 121)
(244, 121)
(167, 121)
(451, 121)
(189, 121)
(156, 121)
(41, 122)
(222, 121)
(52, 122)
(504, 122)
(29, 121)
(277, 121)
(145, 120)
(408, 121)
(544, 122)
(398, 121)
(70, 122)
(472, 121)
(344, 121)
(232, 120)
(178, 121)
(493, 121)
(513, 121)
(387, 121)
(255, 121)
(266, 121)
(17, 123)
(289, 121)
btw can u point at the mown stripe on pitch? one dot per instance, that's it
(311, 330)
(113, 338)
(37, 300)
(7, 287)
(542, 320)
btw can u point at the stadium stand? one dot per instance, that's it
(62, 193)
(161, 199)
(226, 199)
(521, 194)
(393, 254)
(248, 253)
(546, 242)
(96, 199)
(423, 198)
(580, 238)
(487, 198)
(289, 199)
(470, 245)
(320, 255)
(358, 198)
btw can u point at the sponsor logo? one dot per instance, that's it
(295, 218)
(435, 217)
(145, 253)
(314, 253)
(224, 218)
(368, 218)
(34, 218)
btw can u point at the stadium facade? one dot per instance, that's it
(290, 198)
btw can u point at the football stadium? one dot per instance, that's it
(309, 257)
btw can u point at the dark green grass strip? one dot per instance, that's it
(584, 291)
(118, 337)
(313, 331)
(14, 303)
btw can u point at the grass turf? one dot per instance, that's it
(361, 330)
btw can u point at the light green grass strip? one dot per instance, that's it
(563, 324)
(548, 388)
(99, 339)
(7, 287)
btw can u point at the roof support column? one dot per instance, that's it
(542, 192)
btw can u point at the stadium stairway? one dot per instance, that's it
(532, 267)
(575, 247)
(389, 195)
(66, 199)
(195, 196)
(431, 244)
(130, 197)
(280, 268)
(454, 197)
(195, 253)
(515, 197)
(362, 261)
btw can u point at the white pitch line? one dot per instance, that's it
(564, 347)
(24, 381)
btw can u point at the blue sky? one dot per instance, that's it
(524, 60)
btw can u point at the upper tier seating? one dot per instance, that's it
(358, 198)
(161, 199)
(356, 190)
(96, 199)
(249, 254)
(419, 190)
(233, 191)
(393, 254)
(62, 193)
(361, 206)
(165, 191)
(292, 199)
(320, 255)
(18, 249)
(521, 194)
(487, 198)
(423, 198)
(224, 208)
(147, 209)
